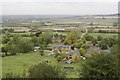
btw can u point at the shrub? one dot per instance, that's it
(100, 66)
(78, 45)
(44, 70)
(99, 38)
(114, 49)
(88, 37)
(59, 58)
(82, 51)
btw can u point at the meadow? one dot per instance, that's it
(105, 35)
(20, 63)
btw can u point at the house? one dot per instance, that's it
(92, 51)
(60, 48)
(73, 54)
(106, 51)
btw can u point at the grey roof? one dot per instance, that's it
(70, 52)
(106, 51)
(94, 48)
(87, 55)
(61, 46)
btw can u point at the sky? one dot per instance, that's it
(58, 7)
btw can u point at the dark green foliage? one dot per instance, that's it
(8, 30)
(44, 70)
(107, 42)
(12, 49)
(71, 38)
(112, 41)
(94, 41)
(78, 44)
(42, 48)
(100, 66)
(99, 38)
(25, 45)
(88, 38)
(4, 50)
(82, 51)
(60, 54)
(59, 58)
(19, 44)
(35, 40)
(114, 49)
(6, 37)
(103, 46)
(85, 46)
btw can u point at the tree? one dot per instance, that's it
(103, 46)
(35, 40)
(6, 37)
(114, 49)
(78, 44)
(38, 34)
(94, 41)
(19, 44)
(112, 41)
(44, 70)
(99, 38)
(4, 50)
(82, 51)
(85, 46)
(25, 45)
(41, 50)
(59, 58)
(100, 66)
(71, 38)
(88, 38)
(13, 49)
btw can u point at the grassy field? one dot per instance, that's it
(20, 62)
(107, 35)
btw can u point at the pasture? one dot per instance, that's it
(20, 63)
(105, 35)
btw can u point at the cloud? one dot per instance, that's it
(71, 8)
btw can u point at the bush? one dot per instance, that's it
(59, 58)
(114, 49)
(44, 70)
(82, 51)
(85, 46)
(99, 38)
(78, 45)
(100, 66)
(88, 37)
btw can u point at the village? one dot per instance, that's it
(67, 43)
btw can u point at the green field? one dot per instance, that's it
(22, 62)
(105, 35)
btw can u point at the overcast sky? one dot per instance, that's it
(59, 7)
